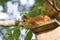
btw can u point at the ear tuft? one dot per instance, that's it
(24, 17)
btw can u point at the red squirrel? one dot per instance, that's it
(35, 20)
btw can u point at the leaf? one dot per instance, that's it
(25, 27)
(2, 3)
(4, 38)
(16, 32)
(11, 37)
(29, 35)
(9, 31)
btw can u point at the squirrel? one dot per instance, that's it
(35, 20)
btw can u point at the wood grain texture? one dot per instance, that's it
(45, 26)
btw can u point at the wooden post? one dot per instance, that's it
(44, 27)
(53, 34)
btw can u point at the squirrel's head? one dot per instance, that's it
(24, 18)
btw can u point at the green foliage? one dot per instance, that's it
(16, 33)
(13, 34)
(29, 35)
(40, 2)
(2, 2)
(35, 11)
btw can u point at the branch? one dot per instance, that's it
(50, 2)
(9, 23)
(53, 4)
(57, 9)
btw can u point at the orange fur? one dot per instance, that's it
(37, 20)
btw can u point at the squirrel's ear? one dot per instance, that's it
(24, 17)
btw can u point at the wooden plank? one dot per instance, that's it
(45, 26)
